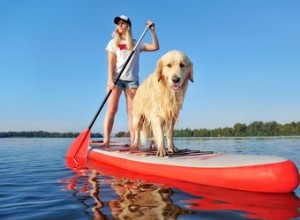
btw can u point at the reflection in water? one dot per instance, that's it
(139, 197)
(140, 200)
(94, 193)
(253, 205)
(85, 186)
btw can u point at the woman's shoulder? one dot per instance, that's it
(111, 46)
(111, 41)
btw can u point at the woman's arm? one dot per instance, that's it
(155, 44)
(111, 69)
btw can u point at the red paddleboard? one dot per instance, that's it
(254, 173)
(252, 205)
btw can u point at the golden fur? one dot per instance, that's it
(159, 98)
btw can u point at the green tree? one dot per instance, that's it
(239, 130)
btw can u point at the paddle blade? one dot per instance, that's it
(78, 149)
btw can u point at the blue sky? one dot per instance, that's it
(53, 63)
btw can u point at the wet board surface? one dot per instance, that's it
(184, 157)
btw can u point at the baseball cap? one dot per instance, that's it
(124, 18)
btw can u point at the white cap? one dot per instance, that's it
(124, 18)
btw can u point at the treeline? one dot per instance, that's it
(43, 134)
(255, 129)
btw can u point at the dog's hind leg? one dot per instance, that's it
(152, 143)
(145, 130)
(136, 127)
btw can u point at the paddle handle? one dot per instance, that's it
(118, 77)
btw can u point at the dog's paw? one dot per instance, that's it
(173, 149)
(152, 145)
(161, 153)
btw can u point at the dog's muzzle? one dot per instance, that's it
(176, 83)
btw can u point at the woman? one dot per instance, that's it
(118, 50)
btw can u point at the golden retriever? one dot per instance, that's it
(158, 101)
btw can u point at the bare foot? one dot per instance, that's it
(105, 145)
(134, 146)
(152, 145)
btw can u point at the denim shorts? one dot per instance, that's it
(124, 84)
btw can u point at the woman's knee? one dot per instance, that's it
(112, 110)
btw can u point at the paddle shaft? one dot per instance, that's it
(118, 77)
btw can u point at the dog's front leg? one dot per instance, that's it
(170, 136)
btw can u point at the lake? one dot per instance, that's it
(36, 184)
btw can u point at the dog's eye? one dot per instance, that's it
(181, 65)
(169, 65)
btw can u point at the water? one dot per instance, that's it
(36, 184)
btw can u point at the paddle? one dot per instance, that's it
(79, 148)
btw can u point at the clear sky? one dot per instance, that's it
(53, 63)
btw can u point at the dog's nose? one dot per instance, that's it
(175, 79)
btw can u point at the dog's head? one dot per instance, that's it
(176, 68)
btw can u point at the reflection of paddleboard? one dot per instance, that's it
(206, 198)
(241, 172)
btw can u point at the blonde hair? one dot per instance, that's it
(128, 38)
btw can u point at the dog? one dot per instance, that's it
(158, 101)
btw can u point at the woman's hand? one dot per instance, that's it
(150, 24)
(110, 85)
(154, 45)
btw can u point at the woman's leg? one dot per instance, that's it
(129, 102)
(112, 108)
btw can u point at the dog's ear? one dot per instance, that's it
(158, 70)
(191, 72)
